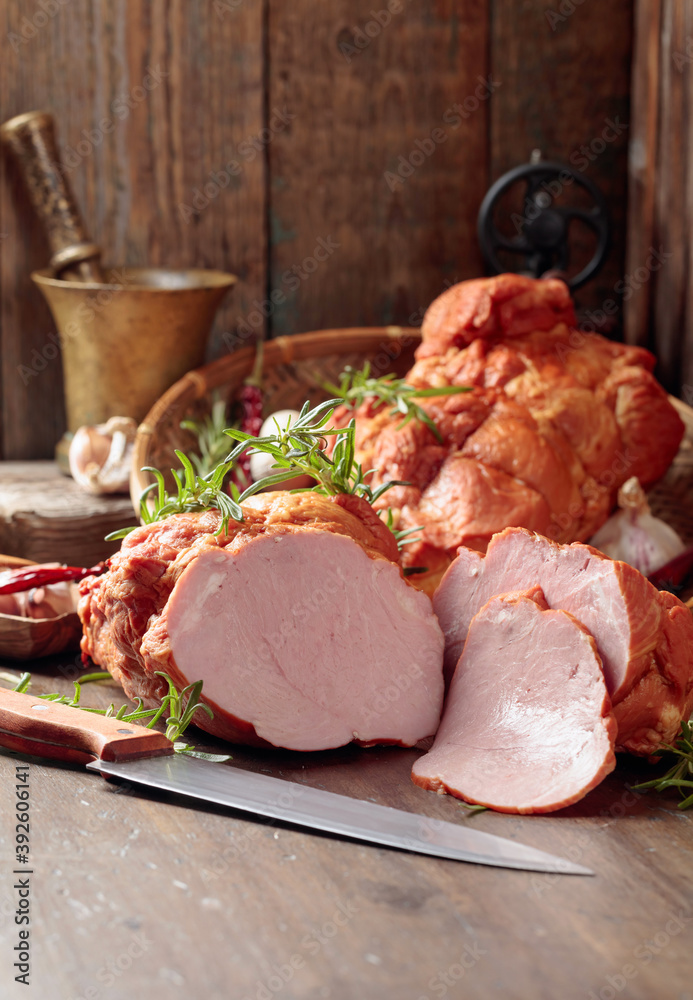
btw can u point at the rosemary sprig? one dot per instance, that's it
(297, 450)
(193, 493)
(471, 809)
(401, 534)
(357, 386)
(180, 709)
(212, 442)
(681, 774)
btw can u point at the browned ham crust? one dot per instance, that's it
(557, 420)
(298, 620)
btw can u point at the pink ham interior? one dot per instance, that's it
(527, 725)
(310, 640)
(616, 604)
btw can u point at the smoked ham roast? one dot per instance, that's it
(555, 422)
(298, 620)
(644, 636)
(527, 726)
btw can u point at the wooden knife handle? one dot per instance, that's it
(35, 726)
(31, 137)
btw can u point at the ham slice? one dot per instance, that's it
(644, 636)
(527, 726)
(298, 621)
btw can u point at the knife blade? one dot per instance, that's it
(145, 757)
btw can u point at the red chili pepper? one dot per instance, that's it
(15, 581)
(251, 400)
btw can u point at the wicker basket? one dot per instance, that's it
(295, 366)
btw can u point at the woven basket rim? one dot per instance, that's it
(195, 384)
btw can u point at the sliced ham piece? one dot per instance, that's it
(298, 621)
(527, 726)
(644, 636)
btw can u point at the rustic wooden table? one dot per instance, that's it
(138, 894)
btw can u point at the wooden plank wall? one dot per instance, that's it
(565, 68)
(165, 92)
(378, 158)
(359, 185)
(659, 314)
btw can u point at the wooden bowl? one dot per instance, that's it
(31, 638)
(293, 368)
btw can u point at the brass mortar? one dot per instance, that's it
(126, 340)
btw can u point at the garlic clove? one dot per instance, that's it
(633, 535)
(52, 600)
(48, 601)
(101, 456)
(9, 605)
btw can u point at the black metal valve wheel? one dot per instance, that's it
(544, 227)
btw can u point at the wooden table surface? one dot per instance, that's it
(139, 894)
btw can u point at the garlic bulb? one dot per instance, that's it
(48, 601)
(261, 464)
(634, 536)
(101, 456)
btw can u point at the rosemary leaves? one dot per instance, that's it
(355, 387)
(177, 708)
(298, 449)
(681, 774)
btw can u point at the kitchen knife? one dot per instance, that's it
(145, 757)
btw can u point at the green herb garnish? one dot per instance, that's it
(179, 707)
(356, 387)
(681, 774)
(193, 493)
(471, 809)
(401, 534)
(297, 450)
(212, 443)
